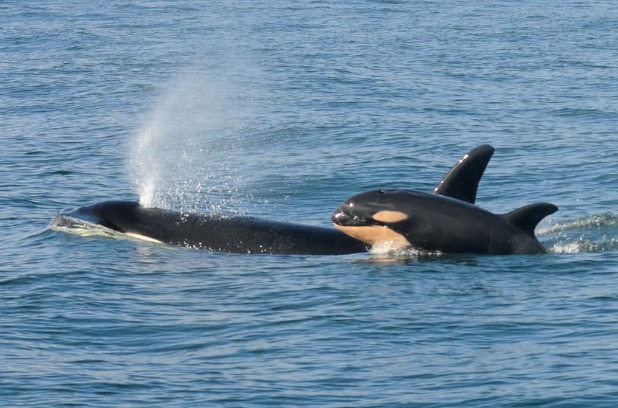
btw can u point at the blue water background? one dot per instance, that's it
(284, 109)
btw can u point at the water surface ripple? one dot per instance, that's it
(284, 110)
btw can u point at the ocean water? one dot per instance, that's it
(283, 110)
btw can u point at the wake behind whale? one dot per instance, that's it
(590, 234)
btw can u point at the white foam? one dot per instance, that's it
(393, 249)
(567, 248)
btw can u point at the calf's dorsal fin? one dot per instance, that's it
(528, 217)
(462, 180)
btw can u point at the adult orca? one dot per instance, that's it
(239, 234)
(221, 233)
(446, 221)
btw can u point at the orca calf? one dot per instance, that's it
(239, 234)
(446, 221)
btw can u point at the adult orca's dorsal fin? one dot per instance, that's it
(528, 217)
(462, 180)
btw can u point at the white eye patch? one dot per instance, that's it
(388, 217)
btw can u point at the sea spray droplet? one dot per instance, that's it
(184, 157)
(142, 165)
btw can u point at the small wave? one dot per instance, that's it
(592, 233)
(83, 227)
(65, 223)
(608, 219)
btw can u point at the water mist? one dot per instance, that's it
(183, 157)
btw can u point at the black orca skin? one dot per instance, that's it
(219, 233)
